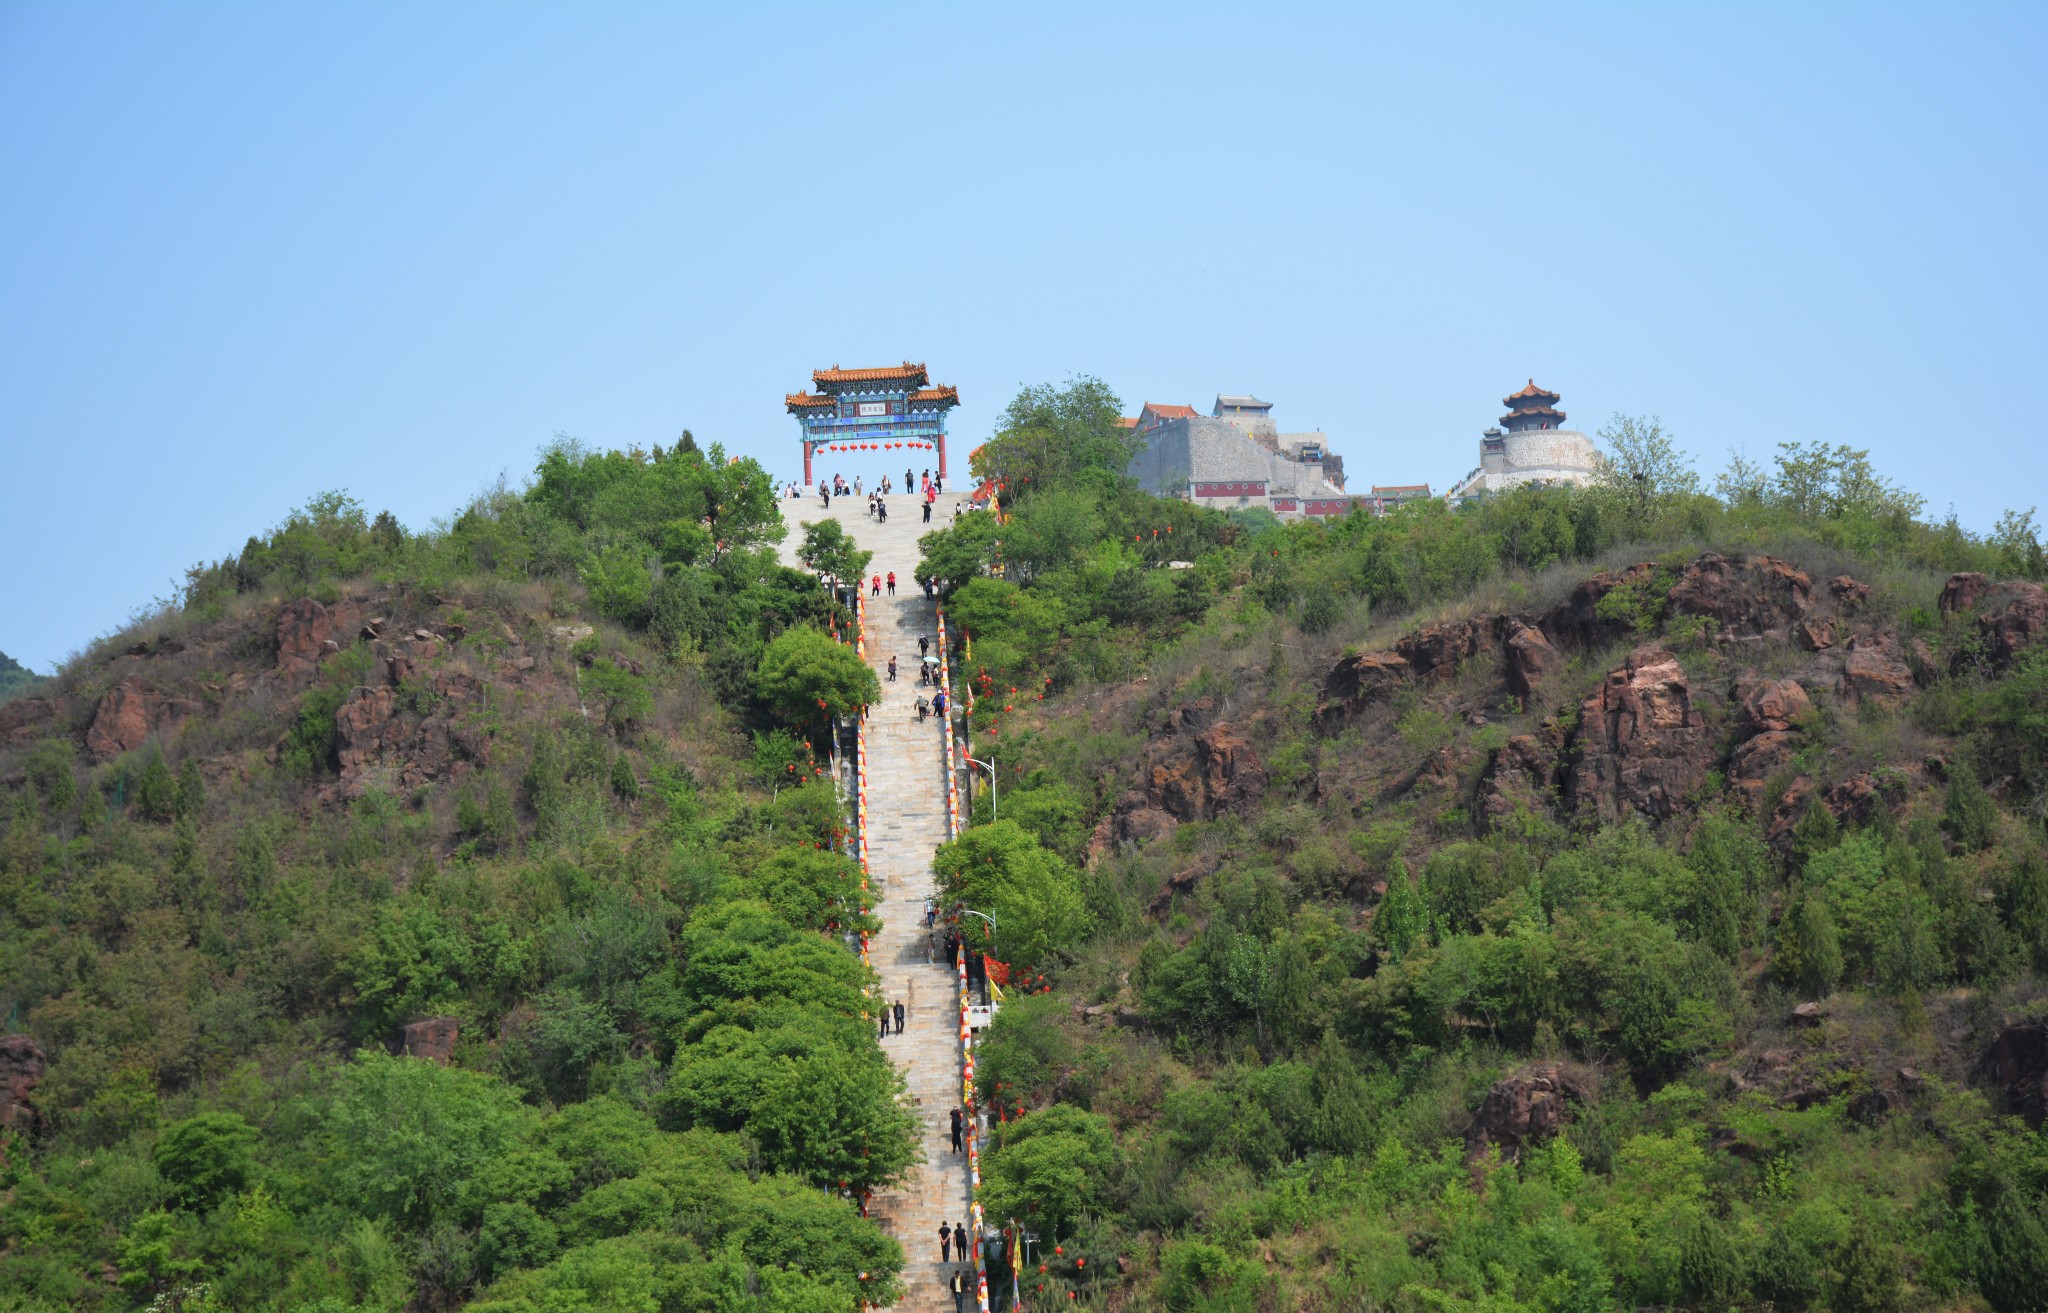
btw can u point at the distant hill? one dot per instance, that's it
(15, 678)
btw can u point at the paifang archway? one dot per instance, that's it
(871, 411)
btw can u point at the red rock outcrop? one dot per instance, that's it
(1435, 651)
(304, 628)
(1771, 704)
(2014, 627)
(1577, 622)
(432, 1039)
(21, 1070)
(1849, 592)
(1643, 746)
(25, 720)
(128, 714)
(1522, 775)
(1756, 759)
(1359, 682)
(1874, 672)
(381, 745)
(2019, 626)
(1749, 598)
(1530, 659)
(1961, 592)
(1532, 1104)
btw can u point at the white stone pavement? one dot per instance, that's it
(907, 821)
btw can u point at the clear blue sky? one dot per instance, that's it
(248, 253)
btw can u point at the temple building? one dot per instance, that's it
(873, 411)
(1531, 445)
(1236, 458)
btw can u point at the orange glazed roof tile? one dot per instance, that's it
(1127, 421)
(801, 400)
(1531, 391)
(1171, 412)
(943, 392)
(905, 372)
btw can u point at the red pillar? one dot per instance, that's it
(807, 463)
(942, 458)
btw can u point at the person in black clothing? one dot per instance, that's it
(899, 1016)
(892, 670)
(927, 512)
(885, 1023)
(959, 1290)
(945, 1240)
(924, 646)
(960, 1242)
(956, 1130)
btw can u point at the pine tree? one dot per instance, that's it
(1969, 817)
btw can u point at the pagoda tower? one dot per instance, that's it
(1532, 408)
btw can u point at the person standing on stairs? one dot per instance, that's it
(956, 1130)
(899, 1016)
(892, 669)
(959, 1290)
(945, 1241)
(892, 583)
(960, 1241)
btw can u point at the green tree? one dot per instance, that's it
(961, 551)
(804, 676)
(621, 697)
(403, 1136)
(205, 1157)
(1968, 815)
(828, 549)
(1048, 435)
(1048, 1167)
(1034, 896)
(1809, 952)
(1642, 463)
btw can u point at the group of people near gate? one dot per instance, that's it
(927, 484)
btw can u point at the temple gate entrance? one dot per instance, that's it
(873, 411)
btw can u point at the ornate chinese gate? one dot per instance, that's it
(872, 411)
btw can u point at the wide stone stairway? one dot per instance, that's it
(907, 821)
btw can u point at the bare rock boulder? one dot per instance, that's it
(303, 627)
(21, 1070)
(1747, 599)
(1531, 659)
(122, 722)
(1532, 1104)
(1643, 745)
(1772, 704)
(432, 1039)
(1358, 682)
(1435, 651)
(1873, 671)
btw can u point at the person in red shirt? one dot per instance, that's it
(892, 583)
(875, 588)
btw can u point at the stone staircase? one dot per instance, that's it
(907, 821)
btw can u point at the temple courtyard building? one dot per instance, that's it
(1236, 458)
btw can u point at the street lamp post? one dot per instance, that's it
(990, 767)
(968, 911)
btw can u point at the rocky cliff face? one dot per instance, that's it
(1648, 739)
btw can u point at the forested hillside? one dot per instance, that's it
(1588, 899)
(1585, 899)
